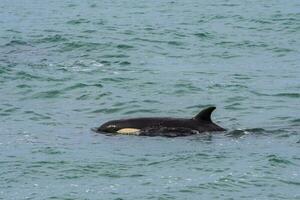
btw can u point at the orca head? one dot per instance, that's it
(109, 127)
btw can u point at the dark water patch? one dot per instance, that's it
(187, 87)
(261, 21)
(234, 106)
(225, 43)
(105, 62)
(117, 55)
(250, 44)
(3, 70)
(119, 104)
(72, 5)
(48, 151)
(103, 94)
(101, 169)
(23, 86)
(78, 21)
(36, 116)
(200, 72)
(241, 76)
(125, 46)
(107, 110)
(150, 101)
(186, 191)
(291, 95)
(54, 164)
(295, 122)
(175, 43)
(150, 28)
(9, 111)
(275, 160)
(281, 50)
(289, 182)
(149, 83)
(52, 39)
(48, 94)
(82, 85)
(236, 98)
(181, 92)
(229, 4)
(14, 43)
(259, 93)
(118, 79)
(150, 40)
(204, 35)
(89, 31)
(13, 31)
(51, 31)
(226, 55)
(124, 63)
(93, 5)
(259, 131)
(87, 46)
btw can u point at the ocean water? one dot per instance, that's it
(68, 66)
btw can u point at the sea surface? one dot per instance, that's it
(68, 66)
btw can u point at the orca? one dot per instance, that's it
(162, 126)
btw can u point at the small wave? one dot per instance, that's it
(27, 76)
(141, 111)
(295, 121)
(175, 43)
(78, 21)
(87, 46)
(16, 43)
(292, 95)
(151, 101)
(125, 63)
(185, 87)
(108, 110)
(276, 160)
(115, 56)
(52, 39)
(48, 94)
(241, 132)
(236, 98)
(234, 106)
(81, 65)
(118, 79)
(297, 183)
(9, 111)
(36, 116)
(48, 150)
(282, 50)
(241, 77)
(89, 31)
(125, 46)
(82, 85)
(204, 35)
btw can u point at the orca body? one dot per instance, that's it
(162, 126)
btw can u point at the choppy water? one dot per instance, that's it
(68, 66)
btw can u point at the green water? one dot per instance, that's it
(68, 66)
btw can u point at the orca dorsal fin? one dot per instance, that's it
(205, 114)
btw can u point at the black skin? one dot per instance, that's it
(165, 126)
